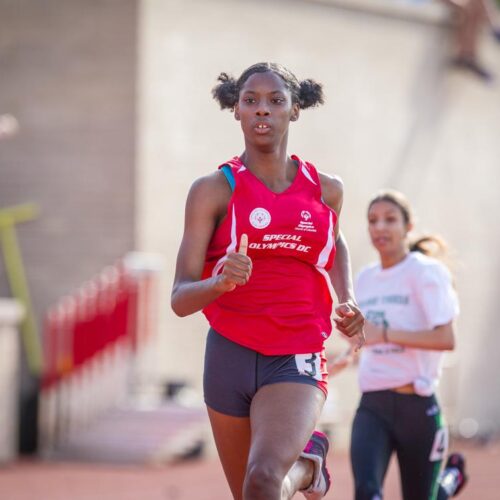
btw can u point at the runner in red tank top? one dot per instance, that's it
(257, 256)
(291, 245)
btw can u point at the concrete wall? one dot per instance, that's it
(396, 115)
(67, 72)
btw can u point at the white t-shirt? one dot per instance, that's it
(415, 294)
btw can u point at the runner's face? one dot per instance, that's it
(265, 109)
(387, 228)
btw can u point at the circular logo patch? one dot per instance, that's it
(260, 218)
(305, 214)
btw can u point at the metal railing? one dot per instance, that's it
(91, 340)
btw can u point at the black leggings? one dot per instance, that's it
(410, 425)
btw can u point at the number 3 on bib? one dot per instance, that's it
(309, 364)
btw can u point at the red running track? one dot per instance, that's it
(202, 479)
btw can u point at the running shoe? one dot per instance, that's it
(316, 450)
(453, 477)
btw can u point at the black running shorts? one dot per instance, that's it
(233, 373)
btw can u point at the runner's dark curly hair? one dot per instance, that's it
(307, 93)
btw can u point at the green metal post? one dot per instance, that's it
(18, 283)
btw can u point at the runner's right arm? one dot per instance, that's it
(206, 205)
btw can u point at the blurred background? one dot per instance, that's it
(106, 119)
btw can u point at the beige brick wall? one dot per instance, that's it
(67, 72)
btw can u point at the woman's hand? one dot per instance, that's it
(350, 322)
(237, 268)
(374, 334)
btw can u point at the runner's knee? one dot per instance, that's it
(263, 480)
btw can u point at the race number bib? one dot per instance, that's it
(309, 364)
(440, 445)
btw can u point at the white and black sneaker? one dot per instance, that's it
(454, 478)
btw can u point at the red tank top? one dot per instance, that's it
(286, 305)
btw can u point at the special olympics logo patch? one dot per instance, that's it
(305, 214)
(260, 218)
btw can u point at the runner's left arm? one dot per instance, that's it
(350, 320)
